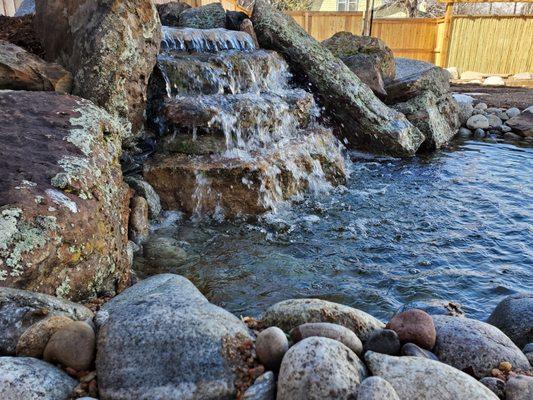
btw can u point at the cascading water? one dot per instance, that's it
(235, 137)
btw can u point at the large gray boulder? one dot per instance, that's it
(19, 309)
(319, 368)
(514, 317)
(289, 314)
(364, 120)
(25, 378)
(162, 339)
(423, 379)
(109, 46)
(474, 346)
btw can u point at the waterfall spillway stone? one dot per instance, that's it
(235, 137)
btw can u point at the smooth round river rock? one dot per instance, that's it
(384, 341)
(270, 346)
(320, 368)
(414, 326)
(34, 340)
(72, 346)
(514, 317)
(331, 331)
(376, 388)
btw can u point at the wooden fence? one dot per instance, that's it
(324, 24)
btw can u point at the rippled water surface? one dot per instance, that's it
(457, 225)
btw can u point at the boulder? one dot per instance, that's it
(319, 368)
(72, 346)
(363, 119)
(144, 189)
(270, 346)
(234, 20)
(523, 123)
(264, 388)
(477, 121)
(20, 70)
(345, 45)
(436, 117)
(118, 39)
(331, 331)
(423, 379)
(27, 7)
(363, 65)
(376, 388)
(169, 13)
(414, 326)
(199, 347)
(514, 317)
(210, 16)
(138, 224)
(474, 346)
(384, 341)
(495, 122)
(289, 314)
(25, 378)
(34, 339)
(64, 206)
(519, 387)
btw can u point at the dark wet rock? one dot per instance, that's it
(210, 16)
(144, 189)
(264, 388)
(289, 314)
(384, 341)
(376, 388)
(365, 121)
(138, 224)
(248, 27)
(435, 307)
(21, 70)
(72, 346)
(164, 252)
(514, 317)
(412, 350)
(345, 45)
(34, 339)
(519, 387)
(90, 36)
(319, 368)
(197, 344)
(20, 309)
(270, 346)
(474, 346)
(479, 133)
(497, 386)
(234, 20)
(169, 13)
(423, 379)
(25, 378)
(26, 7)
(64, 205)
(328, 330)
(414, 326)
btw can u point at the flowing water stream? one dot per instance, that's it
(456, 225)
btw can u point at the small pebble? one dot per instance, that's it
(270, 346)
(384, 341)
(505, 366)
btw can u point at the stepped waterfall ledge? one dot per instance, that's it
(235, 137)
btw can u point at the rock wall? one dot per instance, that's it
(63, 204)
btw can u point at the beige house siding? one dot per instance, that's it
(331, 5)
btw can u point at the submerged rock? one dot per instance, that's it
(118, 39)
(435, 307)
(64, 205)
(20, 70)
(364, 120)
(209, 16)
(197, 344)
(514, 317)
(289, 314)
(319, 368)
(25, 378)
(474, 346)
(423, 379)
(20, 310)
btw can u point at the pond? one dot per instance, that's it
(456, 225)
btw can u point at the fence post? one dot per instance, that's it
(306, 23)
(445, 41)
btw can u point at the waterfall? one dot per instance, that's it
(236, 138)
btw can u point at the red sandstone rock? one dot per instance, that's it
(414, 326)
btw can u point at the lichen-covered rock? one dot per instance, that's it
(364, 120)
(21, 309)
(169, 13)
(346, 45)
(423, 379)
(25, 378)
(20, 70)
(109, 46)
(514, 317)
(163, 338)
(210, 16)
(289, 314)
(474, 346)
(64, 206)
(34, 339)
(320, 368)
